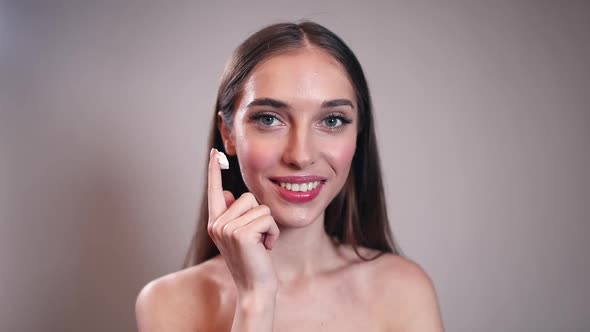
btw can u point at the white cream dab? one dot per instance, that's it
(222, 160)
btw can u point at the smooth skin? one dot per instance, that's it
(278, 269)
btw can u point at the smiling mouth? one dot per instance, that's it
(299, 189)
(299, 192)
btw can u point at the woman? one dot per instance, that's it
(299, 239)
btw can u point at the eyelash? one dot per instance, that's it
(343, 119)
(259, 116)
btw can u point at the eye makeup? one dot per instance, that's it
(266, 119)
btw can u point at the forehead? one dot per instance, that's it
(310, 76)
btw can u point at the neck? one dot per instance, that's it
(303, 252)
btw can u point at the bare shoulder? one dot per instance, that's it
(399, 271)
(183, 300)
(387, 271)
(406, 290)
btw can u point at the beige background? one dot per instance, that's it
(482, 117)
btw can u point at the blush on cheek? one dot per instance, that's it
(341, 156)
(256, 157)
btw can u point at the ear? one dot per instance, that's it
(227, 135)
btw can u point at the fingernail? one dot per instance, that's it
(211, 152)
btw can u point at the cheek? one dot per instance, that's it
(340, 155)
(342, 159)
(256, 156)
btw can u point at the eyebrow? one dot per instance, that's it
(336, 103)
(268, 102)
(281, 104)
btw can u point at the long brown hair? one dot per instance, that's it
(358, 214)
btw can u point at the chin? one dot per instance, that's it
(295, 217)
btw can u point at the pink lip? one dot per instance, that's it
(299, 196)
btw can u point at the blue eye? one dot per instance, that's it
(333, 122)
(266, 120)
(336, 121)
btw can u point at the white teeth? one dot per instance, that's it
(303, 187)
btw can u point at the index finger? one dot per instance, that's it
(216, 200)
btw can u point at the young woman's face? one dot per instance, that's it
(294, 134)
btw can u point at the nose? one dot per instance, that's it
(300, 151)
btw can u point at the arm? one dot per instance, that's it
(254, 312)
(244, 232)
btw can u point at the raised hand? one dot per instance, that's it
(243, 231)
